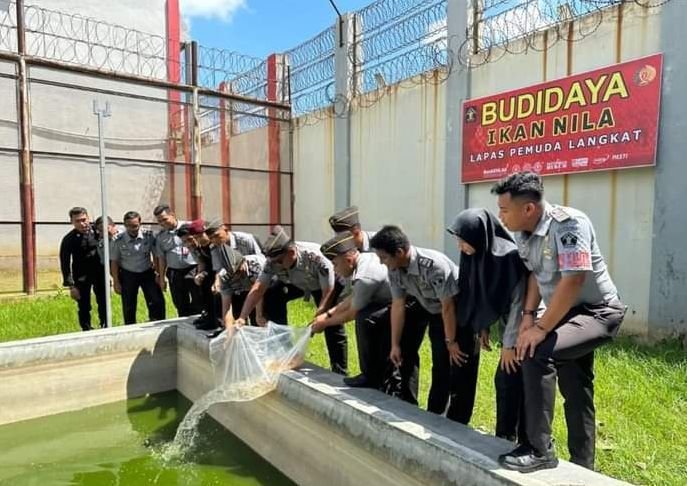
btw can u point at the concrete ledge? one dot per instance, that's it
(312, 427)
(56, 374)
(358, 436)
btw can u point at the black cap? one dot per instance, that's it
(338, 245)
(277, 243)
(345, 219)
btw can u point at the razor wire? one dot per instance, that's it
(85, 41)
(8, 26)
(218, 66)
(395, 42)
(500, 27)
(412, 43)
(311, 73)
(235, 73)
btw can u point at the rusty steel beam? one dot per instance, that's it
(26, 195)
(225, 155)
(196, 194)
(132, 78)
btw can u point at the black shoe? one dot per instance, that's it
(526, 459)
(359, 381)
(206, 325)
(200, 319)
(213, 334)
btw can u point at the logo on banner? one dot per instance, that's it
(471, 114)
(580, 162)
(645, 75)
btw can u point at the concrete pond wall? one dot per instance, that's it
(312, 427)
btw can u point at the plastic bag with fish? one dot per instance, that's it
(247, 362)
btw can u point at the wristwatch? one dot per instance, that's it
(527, 312)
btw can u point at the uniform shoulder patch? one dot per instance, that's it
(425, 262)
(569, 240)
(560, 214)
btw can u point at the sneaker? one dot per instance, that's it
(526, 459)
(520, 450)
(359, 381)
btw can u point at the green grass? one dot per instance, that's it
(641, 392)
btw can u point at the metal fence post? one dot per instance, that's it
(457, 91)
(346, 64)
(102, 113)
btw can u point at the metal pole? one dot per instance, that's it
(102, 113)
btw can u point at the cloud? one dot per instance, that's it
(220, 9)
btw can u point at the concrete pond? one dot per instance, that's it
(311, 430)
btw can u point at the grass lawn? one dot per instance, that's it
(641, 392)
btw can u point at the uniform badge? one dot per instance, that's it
(425, 262)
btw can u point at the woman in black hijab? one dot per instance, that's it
(492, 282)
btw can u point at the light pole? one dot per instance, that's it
(103, 113)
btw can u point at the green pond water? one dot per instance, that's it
(123, 443)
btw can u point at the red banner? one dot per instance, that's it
(599, 120)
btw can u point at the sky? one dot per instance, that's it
(260, 27)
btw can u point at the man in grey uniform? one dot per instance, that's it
(370, 293)
(237, 275)
(132, 267)
(348, 220)
(175, 263)
(293, 270)
(245, 243)
(558, 245)
(221, 239)
(432, 278)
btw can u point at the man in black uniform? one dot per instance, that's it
(193, 236)
(81, 267)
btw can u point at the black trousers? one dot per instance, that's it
(510, 406)
(274, 304)
(155, 301)
(210, 303)
(237, 301)
(417, 320)
(567, 353)
(93, 280)
(185, 293)
(464, 378)
(373, 335)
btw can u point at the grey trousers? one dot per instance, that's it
(567, 354)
